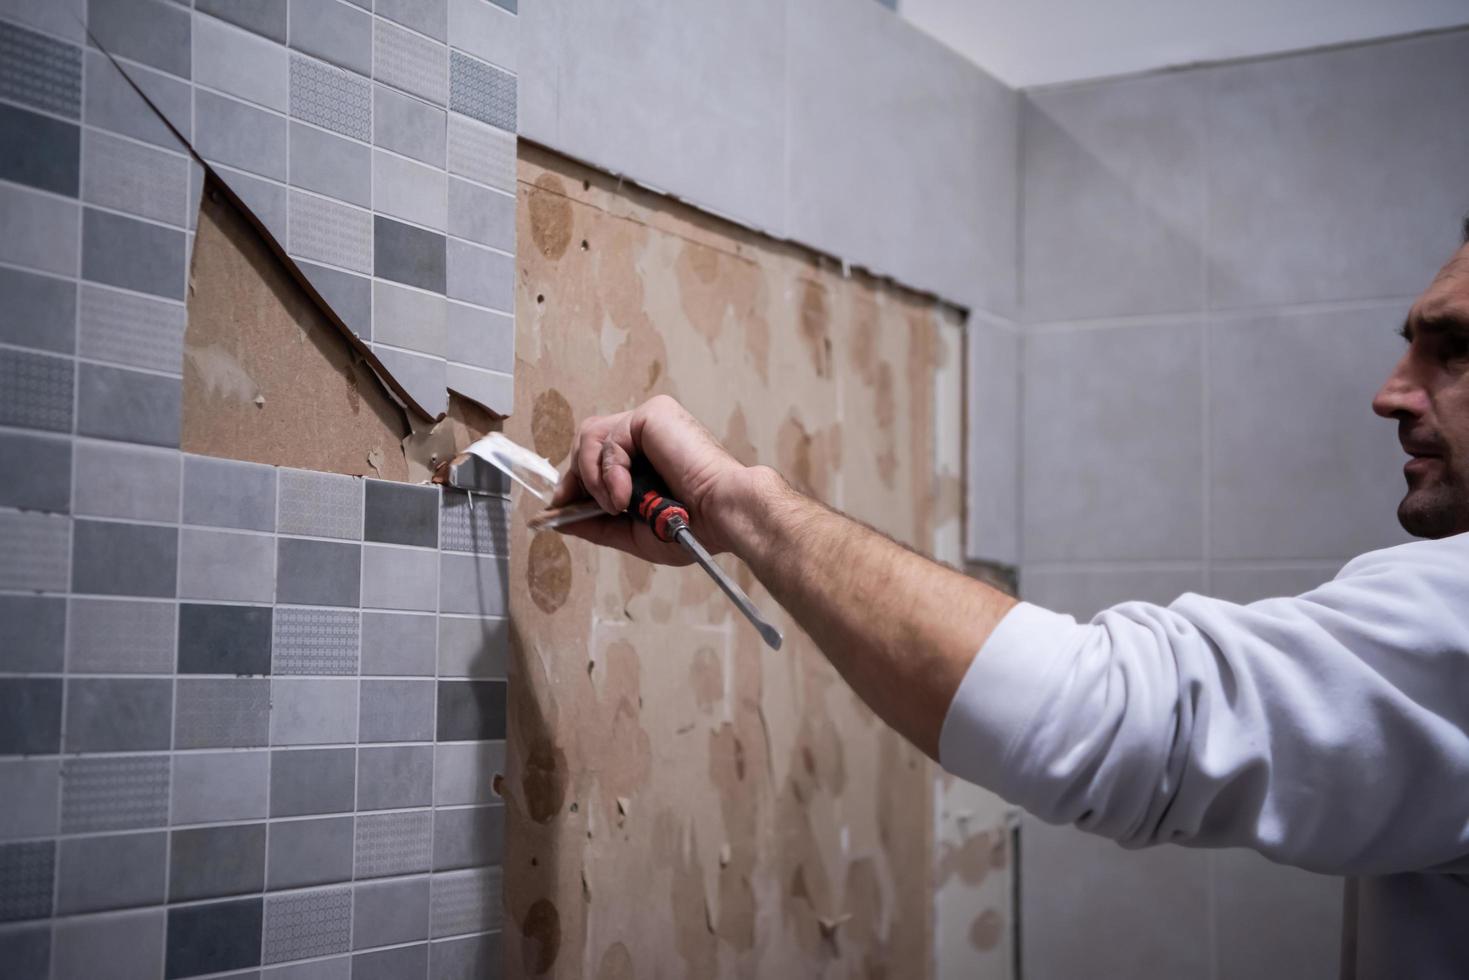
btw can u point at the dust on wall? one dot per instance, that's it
(682, 801)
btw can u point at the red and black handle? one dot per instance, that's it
(651, 504)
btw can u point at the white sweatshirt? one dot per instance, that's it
(1328, 731)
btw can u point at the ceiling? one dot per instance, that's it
(1043, 42)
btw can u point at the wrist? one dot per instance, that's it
(744, 503)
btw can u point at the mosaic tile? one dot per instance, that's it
(40, 71)
(123, 793)
(481, 152)
(482, 91)
(34, 552)
(331, 98)
(328, 231)
(307, 924)
(125, 328)
(315, 641)
(323, 505)
(35, 390)
(119, 636)
(474, 522)
(465, 901)
(222, 713)
(409, 61)
(27, 877)
(135, 178)
(394, 843)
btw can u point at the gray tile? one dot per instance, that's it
(328, 96)
(26, 951)
(473, 584)
(469, 837)
(470, 711)
(491, 389)
(397, 711)
(33, 552)
(429, 17)
(409, 255)
(313, 712)
(121, 480)
(387, 913)
(1113, 200)
(35, 390)
(472, 956)
(219, 786)
(394, 776)
(318, 573)
(40, 71)
(264, 199)
(336, 968)
(408, 126)
(116, 403)
(397, 513)
(349, 296)
(466, 902)
(39, 151)
(114, 872)
(117, 792)
(307, 781)
(241, 64)
(229, 565)
(307, 924)
(408, 318)
(481, 152)
(121, 251)
(485, 31)
(1085, 592)
(397, 643)
(213, 938)
(1066, 869)
(482, 91)
(481, 214)
(42, 231)
(64, 18)
(229, 493)
(409, 190)
(125, 328)
(118, 714)
(1096, 444)
(510, 5)
(27, 876)
(1245, 584)
(479, 276)
(122, 947)
(112, 103)
(123, 559)
(240, 135)
(992, 441)
(331, 165)
(483, 338)
(1274, 921)
(1297, 468)
(224, 639)
(266, 17)
(399, 578)
(473, 647)
(334, 32)
(391, 964)
(394, 843)
(410, 62)
(1300, 146)
(474, 523)
(310, 852)
(315, 641)
(35, 472)
(31, 789)
(327, 231)
(213, 713)
(424, 377)
(323, 505)
(211, 862)
(150, 31)
(128, 176)
(42, 311)
(119, 636)
(464, 772)
(31, 630)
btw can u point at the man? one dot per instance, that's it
(1328, 731)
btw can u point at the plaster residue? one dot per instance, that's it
(688, 802)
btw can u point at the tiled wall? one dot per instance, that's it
(1214, 263)
(248, 716)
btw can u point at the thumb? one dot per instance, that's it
(614, 463)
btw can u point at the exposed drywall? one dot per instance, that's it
(682, 801)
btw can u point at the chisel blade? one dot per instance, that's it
(768, 633)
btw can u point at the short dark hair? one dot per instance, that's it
(1466, 229)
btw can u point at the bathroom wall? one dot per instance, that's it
(1213, 265)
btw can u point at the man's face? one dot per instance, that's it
(1428, 395)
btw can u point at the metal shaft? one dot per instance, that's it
(691, 544)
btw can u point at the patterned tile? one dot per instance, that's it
(331, 232)
(482, 92)
(222, 713)
(27, 877)
(481, 152)
(138, 179)
(331, 98)
(394, 843)
(35, 390)
(119, 636)
(409, 61)
(125, 328)
(34, 552)
(40, 71)
(324, 505)
(465, 902)
(121, 793)
(306, 924)
(315, 641)
(475, 523)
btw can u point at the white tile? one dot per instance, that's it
(409, 190)
(992, 403)
(410, 318)
(486, 30)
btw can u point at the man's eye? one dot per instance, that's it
(1455, 348)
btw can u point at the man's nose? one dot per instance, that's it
(1400, 395)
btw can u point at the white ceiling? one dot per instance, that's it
(1041, 42)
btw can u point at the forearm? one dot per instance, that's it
(901, 629)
